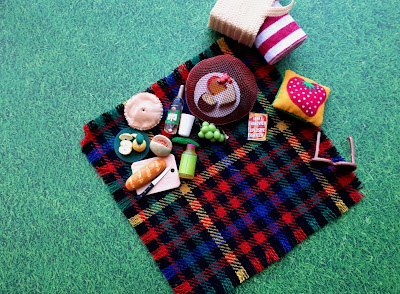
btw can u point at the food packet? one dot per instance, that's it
(257, 127)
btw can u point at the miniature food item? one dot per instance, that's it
(126, 136)
(124, 150)
(145, 174)
(126, 143)
(222, 138)
(161, 145)
(204, 129)
(210, 132)
(125, 147)
(139, 147)
(185, 141)
(209, 135)
(229, 97)
(143, 111)
(217, 134)
(207, 102)
(212, 128)
(139, 138)
(214, 86)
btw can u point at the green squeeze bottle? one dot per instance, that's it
(187, 166)
(174, 113)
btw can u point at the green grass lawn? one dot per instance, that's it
(62, 63)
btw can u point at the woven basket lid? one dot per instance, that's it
(221, 90)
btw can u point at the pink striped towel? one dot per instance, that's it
(278, 37)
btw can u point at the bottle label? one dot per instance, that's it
(173, 117)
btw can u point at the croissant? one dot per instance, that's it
(145, 174)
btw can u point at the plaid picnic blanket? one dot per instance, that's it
(250, 202)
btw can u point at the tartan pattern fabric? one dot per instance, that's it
(250, 202)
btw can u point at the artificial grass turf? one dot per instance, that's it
(64, 63)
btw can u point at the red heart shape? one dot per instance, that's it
(307, 96)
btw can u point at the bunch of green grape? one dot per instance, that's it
(210, 132)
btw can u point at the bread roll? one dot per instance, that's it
(145, 174)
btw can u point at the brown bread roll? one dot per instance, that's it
(145, 174)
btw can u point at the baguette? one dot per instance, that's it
(145, 174)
